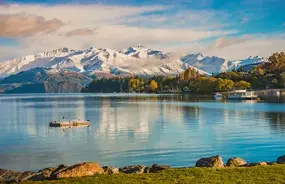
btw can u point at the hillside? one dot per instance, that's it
(44, 80)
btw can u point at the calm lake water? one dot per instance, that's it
(136, 129)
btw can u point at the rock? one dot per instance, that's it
(146, 170)
(79, 170)
(257, 164)
(236, 162)
(281, 160)
(8, 176)
(58, 170)
(132, 169)
(271, 163)
(44, 174)
(155, 168)
(110, 170)
(214, 161)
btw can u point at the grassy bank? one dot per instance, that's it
(258, 174)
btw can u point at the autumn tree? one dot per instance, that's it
(242, 85)
(153, 85)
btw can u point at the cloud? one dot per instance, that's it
(182, 19)
(80, 32)
(111, 26)
(222, 42)
(80, 15)
(257, 45)
(244, 20)
(22, 24)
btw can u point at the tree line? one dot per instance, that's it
(268, 75)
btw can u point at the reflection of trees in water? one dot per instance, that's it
(276, 121)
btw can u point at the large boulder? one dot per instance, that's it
(8, 176)
(281, 160)
(132, 169)
(110, 170)
(79, 170)
(155, 168)
(236, 162)
(214, 161)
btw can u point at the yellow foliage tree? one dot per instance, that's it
(153, 85)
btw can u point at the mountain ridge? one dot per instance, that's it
(137, 60)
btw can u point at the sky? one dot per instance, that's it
(229, 29)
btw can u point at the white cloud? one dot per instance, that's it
(22, 24)
(222, 42)
(258, 45)
(255, 45)
(115, 26)
(80, 32)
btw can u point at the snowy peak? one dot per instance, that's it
(136, 60)
(144, 53)
(213, 64)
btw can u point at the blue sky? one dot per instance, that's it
(213, 27)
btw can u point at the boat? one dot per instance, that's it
(278, 93)
(242, 95)
(218, 96)
(69, 124)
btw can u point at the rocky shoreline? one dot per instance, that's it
(93, 168)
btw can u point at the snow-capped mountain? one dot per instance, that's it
(215, 64)
(131, 61)
(144, 53)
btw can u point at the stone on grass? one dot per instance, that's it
(8, 176)
(110, 170)
(214, 161)
(281, 160)
(257, 164)
(271, 163)
(155, 168)
(79, 170)
(58, 170)
(132, 169)
(236, 162)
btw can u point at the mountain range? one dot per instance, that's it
(53, 68)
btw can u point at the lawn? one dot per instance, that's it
(257, 174)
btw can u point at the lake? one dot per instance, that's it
(131, 129)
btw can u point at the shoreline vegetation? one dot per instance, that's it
(269, 75)
(206, 170)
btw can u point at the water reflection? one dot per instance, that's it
(130, 129)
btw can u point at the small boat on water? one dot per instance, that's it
(242, 95)
(218, 96)
(68, 124)
(278, 93)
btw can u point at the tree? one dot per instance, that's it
(220, 85)
(242, 85)
(234, 76)
(229, 84)
(203, 85)
(153, 85)
(276, 65)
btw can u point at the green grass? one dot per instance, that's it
(258, 174)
